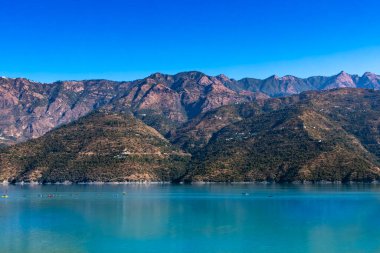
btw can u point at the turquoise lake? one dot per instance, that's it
(190, 218)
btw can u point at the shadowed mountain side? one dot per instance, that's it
(197, 132)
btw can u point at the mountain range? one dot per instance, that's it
(191, 127)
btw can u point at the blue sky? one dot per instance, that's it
(49, 40)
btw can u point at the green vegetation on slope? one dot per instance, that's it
(331, 136)
(99, 147)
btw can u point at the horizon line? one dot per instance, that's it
(182, 72)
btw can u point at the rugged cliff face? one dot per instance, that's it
(29, 109)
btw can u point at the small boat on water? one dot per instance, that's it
(5, 195)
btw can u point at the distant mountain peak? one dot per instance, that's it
(223, 77)
(343, 76)
(156, 75)
(192, 74)
(275, 77)
(288, 77)
(369, 74)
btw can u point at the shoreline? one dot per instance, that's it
(323, 182)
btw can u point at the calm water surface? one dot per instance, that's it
(197, 218)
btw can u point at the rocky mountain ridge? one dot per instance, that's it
(30, 109)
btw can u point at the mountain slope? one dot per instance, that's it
(290, 144)
(198, 131)
(166, 102)
(102, 146)
(29, 109)
(329, 135)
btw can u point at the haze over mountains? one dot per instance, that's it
(191, 127)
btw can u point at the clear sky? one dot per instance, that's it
(47, 40)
